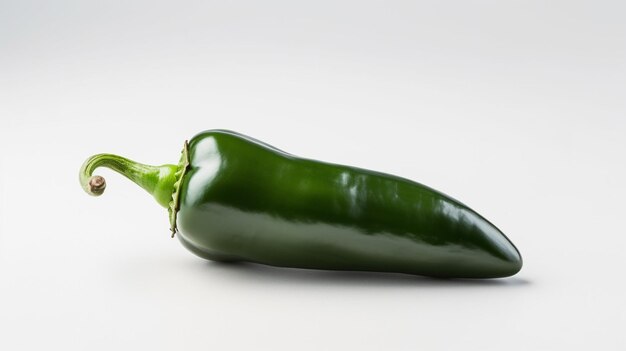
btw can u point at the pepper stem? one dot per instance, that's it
(157, 180)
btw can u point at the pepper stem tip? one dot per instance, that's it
(96, 185)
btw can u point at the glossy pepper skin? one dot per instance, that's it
(238, 199)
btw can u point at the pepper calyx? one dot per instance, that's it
(174, 204)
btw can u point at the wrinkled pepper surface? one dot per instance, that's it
(234, 198)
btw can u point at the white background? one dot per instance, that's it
(516, 108)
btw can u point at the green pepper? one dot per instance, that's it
(233, 198)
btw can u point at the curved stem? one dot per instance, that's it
(157, 180)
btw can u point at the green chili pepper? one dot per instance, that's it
(233, 198)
